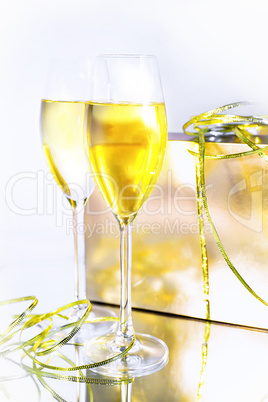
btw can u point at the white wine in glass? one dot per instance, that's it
(62, 127)
(126, 136)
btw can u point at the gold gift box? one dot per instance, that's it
(167, 267)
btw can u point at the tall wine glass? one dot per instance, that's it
(126, 135)
(62, 127)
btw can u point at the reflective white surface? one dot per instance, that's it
(235, 369)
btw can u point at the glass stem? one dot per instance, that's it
(125, 329)
(125, 392)
(79, 252)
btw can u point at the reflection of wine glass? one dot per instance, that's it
(125, 392)
(62, 126)
(126, 135)
(81, 387)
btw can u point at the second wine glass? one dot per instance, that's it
(62, 126)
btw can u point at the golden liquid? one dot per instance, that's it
(127, 144)
(62, 125)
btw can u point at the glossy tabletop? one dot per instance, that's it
(210, 363)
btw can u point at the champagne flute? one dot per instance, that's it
(62, 127)
(126, 135)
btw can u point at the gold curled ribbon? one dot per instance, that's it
(238, 125)
(202, 125)
(200, 185)
(21, 316)
(42, 344)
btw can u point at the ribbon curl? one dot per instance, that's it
(203, 124)
(43, 344)
(239, 125)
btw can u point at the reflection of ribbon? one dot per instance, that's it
(43, 344)
(203, 124)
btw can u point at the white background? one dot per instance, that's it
(210, 53)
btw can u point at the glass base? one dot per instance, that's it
(92, 329)
(99, 328)
(148, 355)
